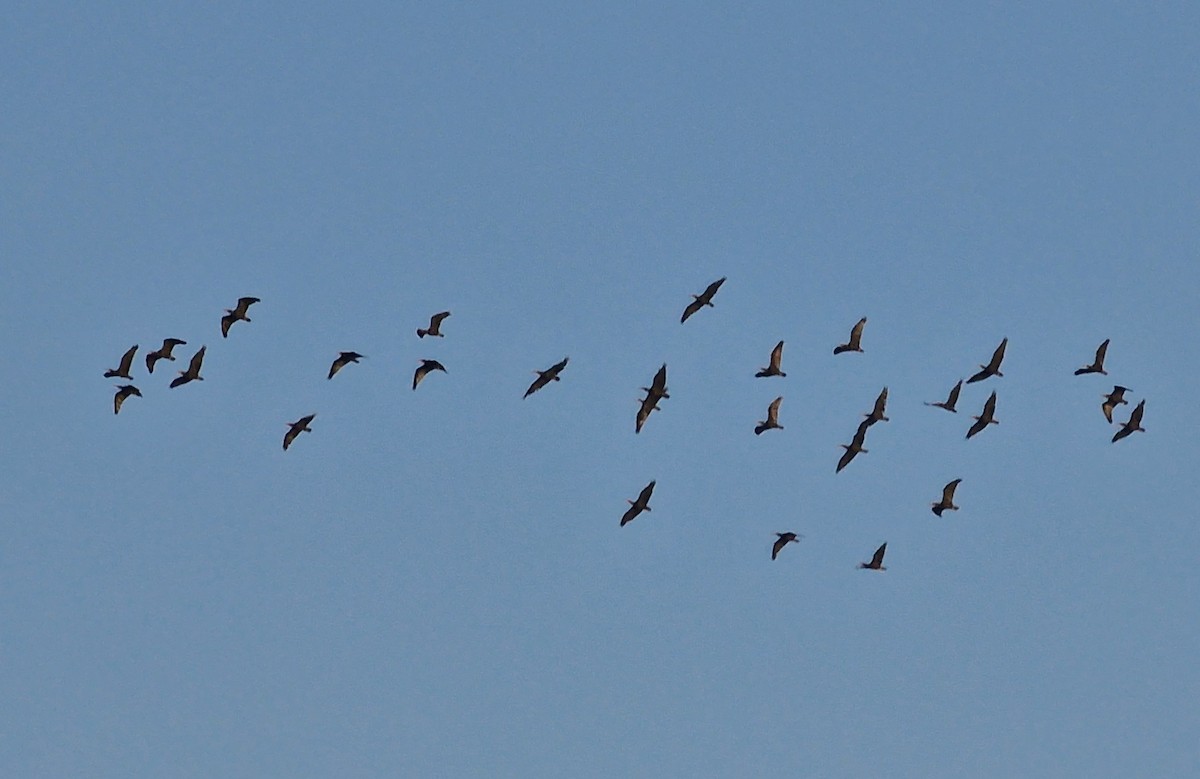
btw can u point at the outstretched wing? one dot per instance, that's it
(948, 492)
(692, 308)
(877, 558)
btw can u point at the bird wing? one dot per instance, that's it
(997, 356)
(877, 558)
(880, 404)
(127, 359)
(542, 380)
(989, 406)
(644, 496)
(630, 514)
(1107, 407)
(860, 435)
(711, 289)
(780, 543)
(856, 333)
(1135, 419)
(194, 364)
(777, 356)
(659, 385)
(692, 308)
(773, 410)
(1100, 352)
(338, 364)
(953, 399)
(290, 435)
(846, 457)
(243, 305)
(980, 376)
(436, 320)
(420, 373)
(151, 358)
(227, 322)
(980, 424)
(948, 492)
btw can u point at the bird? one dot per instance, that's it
(296, 428)
(435, 325)
(855, 344)
(648, 404)
(658, 386)
(947, 501)
(424, 368)
(654, 393)
(1097, 365)
(193, 370)
(638, 506)
(702, 300)
(122, 370)
(1112, 400)
(1133, 424)
(163, 353)
(124, 391)
(951, 401)
(236, 314)
(783, 540)
(773, 368)
(547, 376)
(993, 367)
(987, 417)
(343, 359)
(854, 447)
(772, 420)
(876, 563)
(877, 413)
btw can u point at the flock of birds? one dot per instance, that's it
(657, 391)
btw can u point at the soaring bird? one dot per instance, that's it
(1097, 365)
(1112, 400)
(951, 401)
(237, 314)
(876, 563)
(773, 368)
(638, 506)
(163, 353)
(424, 368)
(877, 413)
(122, 370)
(547, 376)
(654, 393)
(947, 501)
(783, 540)
(702, 300)
(855, 446)
(988, 417)
(343, 359)
(124, 391)
(772, 420)
(435, 326)
(855, 344)
(193, 370)
(296, 428)
(993, 367)
(1133, 424)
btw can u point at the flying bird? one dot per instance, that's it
(993, 367)
(654, 393)
(237, 314)
(1133, 424)
(124, 391)
(424, 368)
(988, 417)
(435, 326)
(546, 376)
(773, 368)
(296, 428)
(1112, 400)
(947, 501)
(702, 300)
(193, 370)
(855, 344)
(854, 447)
(876, 563)
(783, 540)
(343, 359)
(1097, 365)
(163, 353)
(951, 401)
(122, 370)
(877, 413)
(772, 420)
(638, 506)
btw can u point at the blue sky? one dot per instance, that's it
(434, 583)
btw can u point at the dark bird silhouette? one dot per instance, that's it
(773, 368)
(951, 401)
(855, 344)
(124, 391)
(424, 368)
(877, 413)
(654, 393)
(993, 367)
(343, 359)
(702, 300)
(193, 370)
(163, 353)
(988, 417)
(1097, 365)
(648, 404)
(1112, 400)
(947, 501)
(122, 370)
(658, 386)
(772, 420)
(237, 314)
(876, 563)
(296, 428)
(1133, 424)
(783, 540)
(547, 376)
(435, 326)
(854, 447)
(638, 506)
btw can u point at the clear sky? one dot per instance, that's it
(434, 583)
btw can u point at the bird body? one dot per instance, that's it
(638, 506)
(343, 359)
(773, 368)
(702, 300)
(854, 447)
(876, 563)
(772, 420)
(547, 376)
(296, 428)
(1112, 400)
(993, 366)
(424, 368)
(236, 314)
(1097, 365)
(193, 370)
(987, 417)
(1133, 424)
(855, 343)
(654, 393)
(877, 413)
(950, 402)
(435, 326)
(947, 501)
(123, 392)
(163, 352)
(122, 370)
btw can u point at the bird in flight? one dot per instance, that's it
(877, 413)
(702, 300)
(122, 370)
(654, 393)
(343, 359)
(1133, 424)
(435, 326)
(638, 506)
(424, 369)
(193, 370)
(993, 367)
(163, 353)
(124, 391)
(876, 563)
(773, 369)
(783, 540)
(988, 417)
(855, 344)
(1112, 400)
(1097, 365)
(950, 402)
(547, 376)
(854, 447)
(236, 314)
(772, 420)
(947, 501)
(296, 428)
